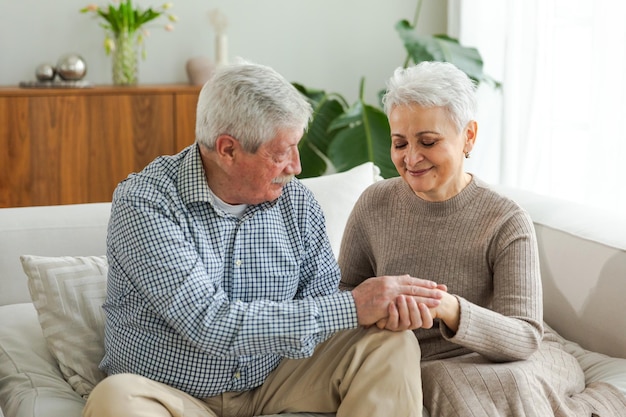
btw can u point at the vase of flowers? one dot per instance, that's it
(125, 59)
(125, 26)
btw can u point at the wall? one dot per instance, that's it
(325, 44)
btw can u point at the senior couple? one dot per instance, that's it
(224, 297)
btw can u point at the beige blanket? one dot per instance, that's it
(547, 384)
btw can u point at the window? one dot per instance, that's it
(560, 122)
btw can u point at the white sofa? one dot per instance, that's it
(583, 259)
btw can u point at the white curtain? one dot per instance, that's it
(560, 128)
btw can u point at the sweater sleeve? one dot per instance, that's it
(512, 328)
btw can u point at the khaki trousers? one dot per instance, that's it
(359, 372)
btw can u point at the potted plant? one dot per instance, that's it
(124, 25)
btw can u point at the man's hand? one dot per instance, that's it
(375, 297)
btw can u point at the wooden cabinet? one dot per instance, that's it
(67, 146)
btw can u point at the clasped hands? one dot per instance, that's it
(400, 302)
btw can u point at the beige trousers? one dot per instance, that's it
(360, 372)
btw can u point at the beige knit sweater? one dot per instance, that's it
(483, 247)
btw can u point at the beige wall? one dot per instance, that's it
(328, 44)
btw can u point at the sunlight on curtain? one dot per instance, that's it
(563, 115)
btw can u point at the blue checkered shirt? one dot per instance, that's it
(207, 302)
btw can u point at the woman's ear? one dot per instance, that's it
(471, 130)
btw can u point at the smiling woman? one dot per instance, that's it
(427, 150)
(432, 127)
(485, 349)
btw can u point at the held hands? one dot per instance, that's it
(407, 314)
(397, 302)
(403, 315)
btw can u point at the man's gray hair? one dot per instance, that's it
(251, 103)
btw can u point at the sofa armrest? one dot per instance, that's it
(582, 252)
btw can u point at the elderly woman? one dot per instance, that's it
(486, 354)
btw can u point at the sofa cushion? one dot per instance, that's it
(68, 293)
(31, 383)
(337, 194)
(598, 366)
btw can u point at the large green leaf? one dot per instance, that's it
(314, 144)
(314, 163)
(442, 48)
(362, 135)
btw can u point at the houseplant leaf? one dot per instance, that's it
(443, 48)
(313, 162)
(313, 146)
(362, 135)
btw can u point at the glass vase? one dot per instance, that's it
(125, 59)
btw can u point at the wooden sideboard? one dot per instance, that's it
(68, 146)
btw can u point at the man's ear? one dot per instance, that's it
(226, 147)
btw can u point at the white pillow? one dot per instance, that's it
(68, 293)
(337, 194)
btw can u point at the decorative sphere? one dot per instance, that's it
(45, 72)
(71, 67)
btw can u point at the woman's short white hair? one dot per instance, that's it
(433, 84)
(251, 103)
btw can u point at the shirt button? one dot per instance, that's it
(237, 375)
(238, 262)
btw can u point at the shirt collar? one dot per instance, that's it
(193, 187)
(191, 183)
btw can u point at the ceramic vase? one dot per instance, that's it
(199, 70)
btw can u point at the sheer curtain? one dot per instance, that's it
(560, 128)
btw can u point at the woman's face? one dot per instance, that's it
(428, 152)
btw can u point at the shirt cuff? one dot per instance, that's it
(336, 312)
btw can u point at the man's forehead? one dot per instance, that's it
(286, 138)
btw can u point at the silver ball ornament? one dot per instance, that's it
(45, 72)
(71, 67)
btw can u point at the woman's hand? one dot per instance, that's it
(407, 313)
(448, 311)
